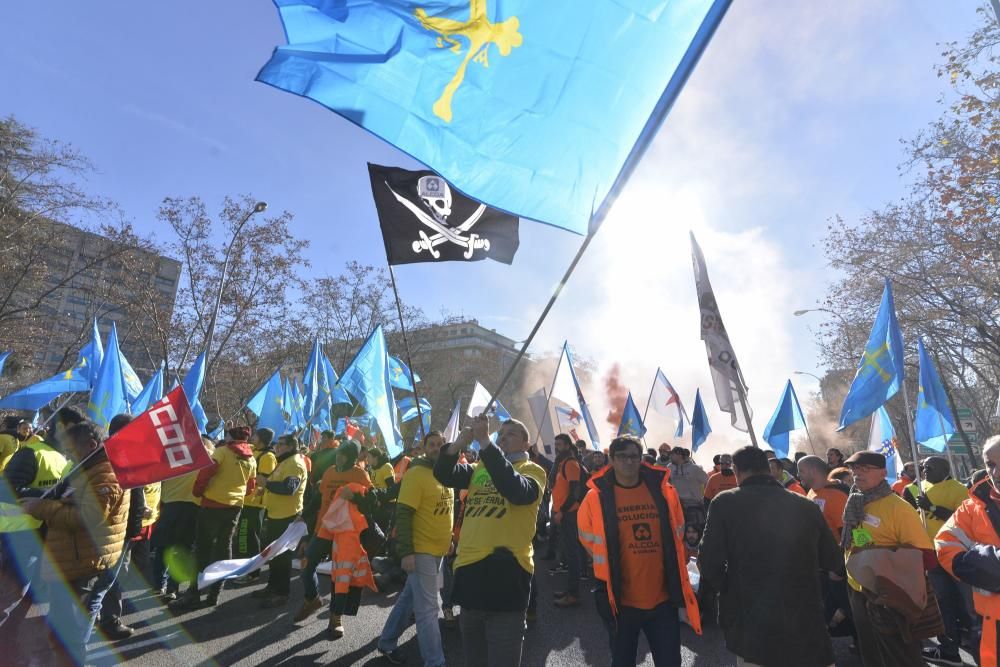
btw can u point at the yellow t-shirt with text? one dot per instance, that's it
(434, 508)
(891, 521)
(266, 463)
(491, 522)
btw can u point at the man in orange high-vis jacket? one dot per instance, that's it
(351, 570)
(968, 547)
(632, 523)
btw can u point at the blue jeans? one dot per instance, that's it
(420, 596)
(74, 607)
(316, 551)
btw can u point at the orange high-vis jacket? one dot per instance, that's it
(598, 513)
(963, 548)
(345, 522)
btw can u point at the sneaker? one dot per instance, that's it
(449, 619)
(558, 569)
(567, 601)
(116, 631)
(395, 656)
(168, 596)
(274, 601)
(938, 657)
(336, 627)
(307, 609)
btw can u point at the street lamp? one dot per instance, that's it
(818, 379)
(259, 207)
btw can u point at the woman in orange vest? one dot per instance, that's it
(632, 523)
(351, 572)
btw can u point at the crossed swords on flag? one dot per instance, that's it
(470, 243)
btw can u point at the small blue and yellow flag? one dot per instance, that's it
(631, 423)
(534, 107)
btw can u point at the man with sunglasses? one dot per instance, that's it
(968, 547)
(632, 523)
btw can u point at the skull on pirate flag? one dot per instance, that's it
(424, 220)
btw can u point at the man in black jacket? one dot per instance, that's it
(762, 549)
(495, 557)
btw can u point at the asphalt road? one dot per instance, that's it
(238, 632)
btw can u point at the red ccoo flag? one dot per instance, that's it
(159, 444)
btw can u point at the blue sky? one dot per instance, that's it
(794, 115)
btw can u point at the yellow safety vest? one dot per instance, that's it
(52, 466)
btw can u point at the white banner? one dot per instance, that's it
(238, 567)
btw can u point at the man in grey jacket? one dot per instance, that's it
(689, 480)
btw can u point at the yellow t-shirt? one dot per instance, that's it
(490, 521)
(266, 463)
(280, 506)
(950, 493)
(434, 505)
(151, 492)
(381, 476)
(891, 521)
(179, 489)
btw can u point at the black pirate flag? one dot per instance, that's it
(424, 220)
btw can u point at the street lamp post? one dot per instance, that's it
(818, 378)
(259, 207)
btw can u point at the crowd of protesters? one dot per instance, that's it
(783, 555)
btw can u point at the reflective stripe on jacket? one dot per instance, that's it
(959, 545)
(51, 466)
(351, 568)
(598, 526)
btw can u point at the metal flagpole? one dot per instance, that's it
(548, 397)
(805, 424)
(947, 447)
(52, 416)
(743, 404)
(406, 347)
(913, 447)
(650, 399)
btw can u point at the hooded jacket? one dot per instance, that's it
(690, 481)
(598, 527)
(229, 479)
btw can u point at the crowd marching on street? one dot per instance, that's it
(781, 554)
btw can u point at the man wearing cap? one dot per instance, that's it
(942, 494)
(222, 488)
(876, 517)
(689, 480)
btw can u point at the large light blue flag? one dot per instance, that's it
(133, 385)
(934, 425)
(407, 408)
(150, 394)
(400, 376)
(700, 428)
(316, 389)
(631, 423)
(298, 406)
(532, 107)
(193, 382)
(3, 360)
(880, 374)
(267, 405)
(109, 396)
(367, 380)
(79, 377)
(787, 417)
(338, 396)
